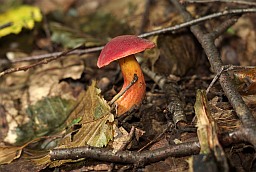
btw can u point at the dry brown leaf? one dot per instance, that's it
(96, 123)
(224, 117)
(8, 154)
(122, 137)
(207, 132)
(246, 81)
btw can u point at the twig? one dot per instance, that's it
(157, 138)
(216, 77)
(139, 158)
(134, 80)
(226, 68)
(44, 56)
(223, 27)
(158, 79)
(228, 87)
(199, 20)
(45, 60)
(233, 137)
(226, 1)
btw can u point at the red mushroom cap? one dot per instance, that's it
(122, 46)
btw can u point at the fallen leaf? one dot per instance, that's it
(8, 154)
(207, 132)
(246, 81)
(21, 17)
(96, 123)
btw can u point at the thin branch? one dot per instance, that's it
(226, 1)
(199, 20)
(134, 80)
(50, 58)
(216, 77)
(73, 52)
(223, 27)
(207, 42)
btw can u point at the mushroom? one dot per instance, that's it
(123, 48)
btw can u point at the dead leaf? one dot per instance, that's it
(122, 138)
(46, 117)
(224, 116)
(8, 154)
(70, 38)
(246, 81)
(207, 132)
(96, 123)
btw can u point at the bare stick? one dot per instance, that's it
(139, 158)
(144, 157)
(226, 1)
(226, 68)
(134, 80)
(216, 77)
(44, 56)
(199, 20)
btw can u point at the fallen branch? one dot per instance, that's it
(140, 158)
(144, 157)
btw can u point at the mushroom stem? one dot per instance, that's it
(135, 94)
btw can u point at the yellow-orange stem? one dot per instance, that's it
(135, 94)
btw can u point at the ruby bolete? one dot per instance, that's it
(123, 48)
